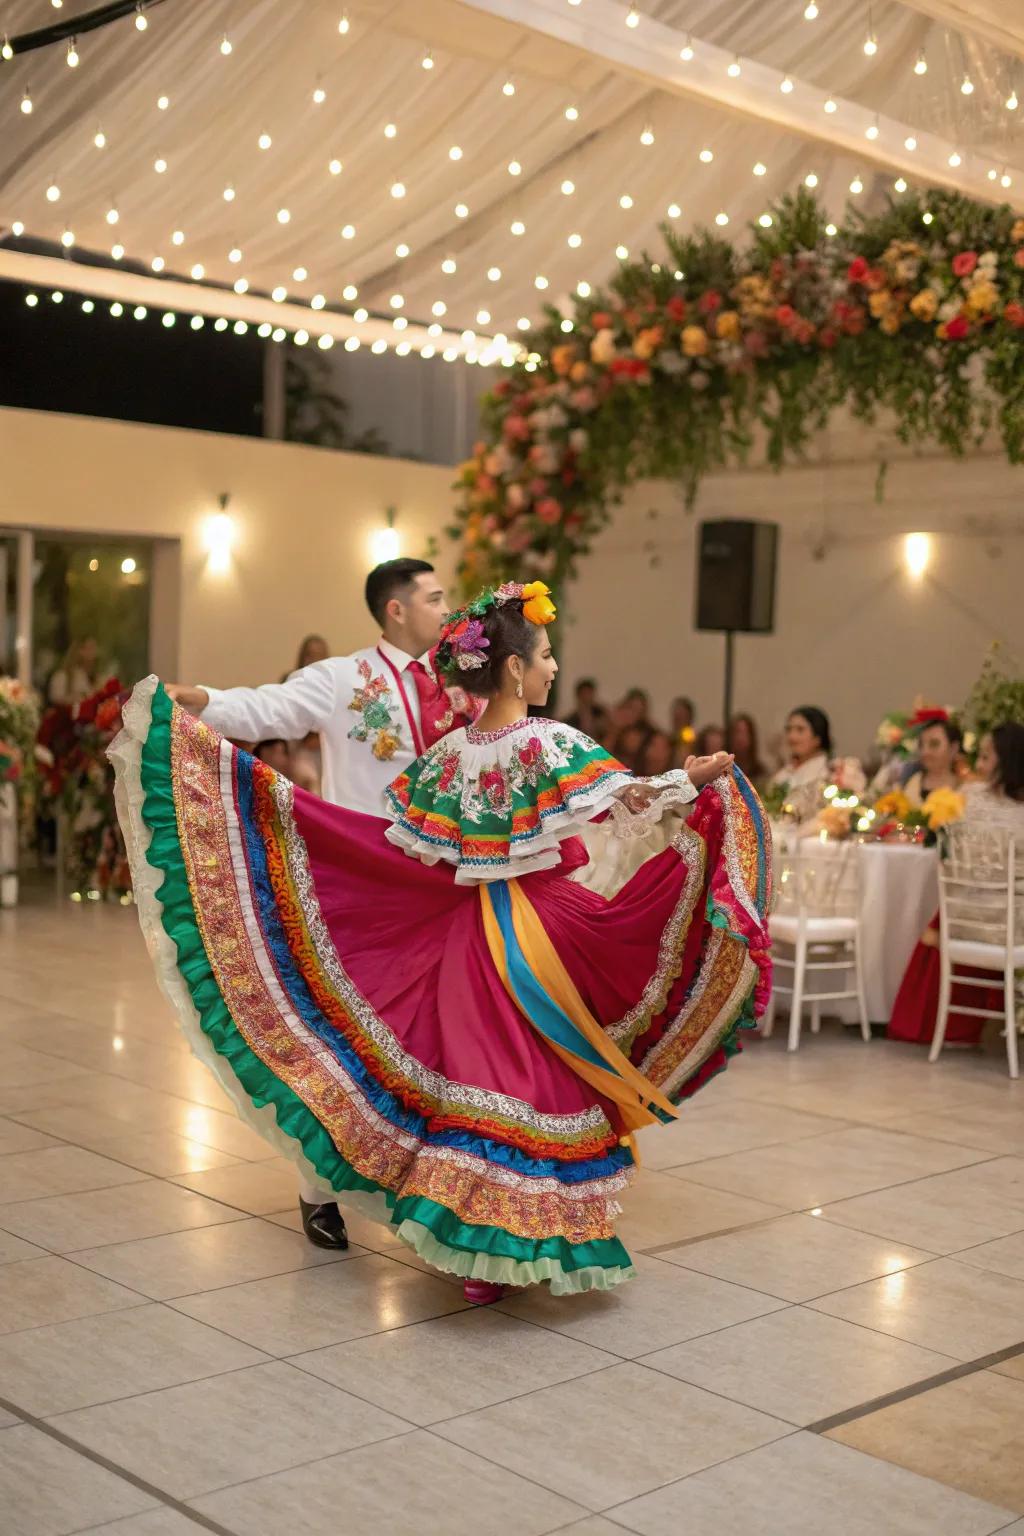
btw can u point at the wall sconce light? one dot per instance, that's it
(219, 537)
(917, 554)
(386, 542)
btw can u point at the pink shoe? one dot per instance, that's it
(482, 1293)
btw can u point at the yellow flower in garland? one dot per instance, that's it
(890, 322)
(894, 805)
(982, 298)
(727, 326)
(924, 305)
(537, 605)
(1017, 232)
(879, 302)
(941, 807)
(695, 341)
(647, 342)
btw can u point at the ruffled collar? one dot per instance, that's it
(478, 738)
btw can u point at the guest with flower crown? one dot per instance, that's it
(939, 755)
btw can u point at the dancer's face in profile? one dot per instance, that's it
(539, 671)
(414, 623)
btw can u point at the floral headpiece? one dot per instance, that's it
(464, 645)
(928, 714)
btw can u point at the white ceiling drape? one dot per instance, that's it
(456, 132)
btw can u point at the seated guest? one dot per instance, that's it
(660, 754)
(631, 746)
(744, 748)
(939, 749)
(997, 801)
(710, 739)
(589, 716)
(289, 762)
(313, 648)
(805, 772)
(683, 713)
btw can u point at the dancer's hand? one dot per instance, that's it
(637, 797)
(193, 699)
(703, 769)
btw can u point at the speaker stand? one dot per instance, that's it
(730, 636)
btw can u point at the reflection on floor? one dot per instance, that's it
(826, 1335)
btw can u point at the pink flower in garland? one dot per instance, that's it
(964, 263)
(857, 271)
(1018, 257)
(549, 510)
(957, 328)
(709, 302)
(517, 428)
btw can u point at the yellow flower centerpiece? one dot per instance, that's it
(941, 807)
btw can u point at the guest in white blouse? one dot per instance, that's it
(998, 800)
(808, 751)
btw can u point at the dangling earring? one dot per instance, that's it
(519, 690)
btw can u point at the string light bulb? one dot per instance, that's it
(568, 188)
(335, 167)
(235, 255)
(198, 271)
(427, 61)
(117, 252)
(517, 227)
(625, 201)
(229, 194)
(7, 52)
(72, 54)
(317, 301)
(647, 137)
(53, 193)
(162, 103)
(786, 86)
(1005, 180)
(871, 45)
(721, 219)
(455, 153)
(572, 114)
(99, 138)
(926, 218)
(449, 266)
(900, 184)
(954, 159)
(1011, 101)
(160, 165)
(765, 221)
(540, 282)
(810, 180)
(284, 216)
(921, 64)
(112, 215)
(830, 105)
(632, 17)
(17, 229)
(344, 24)
(686, 51)
(241, 285)
(574, 241)
(910, 143)
(264, 141)
(279, 294)
(157, 264)
(67, 239)
(706, 156)
(967, 86)
(514, 168)
(26, 102)
(141, 19)
(810, 11)
(319, 96)
(390, 131)
(760, 169)
(225, 45)
(856, 186)
(494, 274)
(734, 69)
(509, 88)
(871, 131)
(461, 211)
(398, 189)
(674, 211)
(299, 275)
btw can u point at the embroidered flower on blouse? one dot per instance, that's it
(385, 745)
(371, 703)
(493, 787)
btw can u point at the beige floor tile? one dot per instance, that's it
(26, 1069)
(206, 1434)
(662, 1305)
(59, 1171)
(662, 1429)
(312, 1308)
(880, 1098)
(967, 1433)
(102, 1105)
(450, 1493)
(48, 1490)
(808, 1486)
(1005, 1256)
(67, 1222)
(259, 1188)
(711, 1130)
(946, 1213)
(487, 1357)
(159, 1522)
(596, 1525)
(34, 1292)
(795, 1257)
(945, 1306)
(14, 1248)
(1013, 1367)
(160, 1153)
(799, 1365)
(21, 1138)
(96, 1359)
(663, 1208)
(801, 1174)
(994, 1128)
(206, 1258)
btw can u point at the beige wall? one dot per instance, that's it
(853, 634)
(304, 518)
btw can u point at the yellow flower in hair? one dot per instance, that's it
(537, 604)
(941, 807)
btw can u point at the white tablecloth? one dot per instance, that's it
(899, 896)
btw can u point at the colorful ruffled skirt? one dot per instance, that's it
(464, 1063)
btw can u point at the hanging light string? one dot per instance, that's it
(72, 27)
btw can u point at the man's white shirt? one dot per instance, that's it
(365, 708)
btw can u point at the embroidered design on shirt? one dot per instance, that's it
(375, 724)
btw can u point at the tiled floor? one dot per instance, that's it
(825, 1337)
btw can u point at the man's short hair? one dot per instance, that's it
(394, 578)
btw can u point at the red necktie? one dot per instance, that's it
(436, 714)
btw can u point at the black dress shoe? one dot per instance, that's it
(324, 1225)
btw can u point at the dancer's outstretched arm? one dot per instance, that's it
(290, 710)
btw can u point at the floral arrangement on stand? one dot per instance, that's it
(997, 698)
(918, 311)
(19, 720)
(78, 783)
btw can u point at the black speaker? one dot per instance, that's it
(736, 577)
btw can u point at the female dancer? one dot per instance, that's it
(461, 1042)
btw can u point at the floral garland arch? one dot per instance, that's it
(666, 374)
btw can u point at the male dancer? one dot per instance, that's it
(376, 712)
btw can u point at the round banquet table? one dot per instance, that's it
(899, 896)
